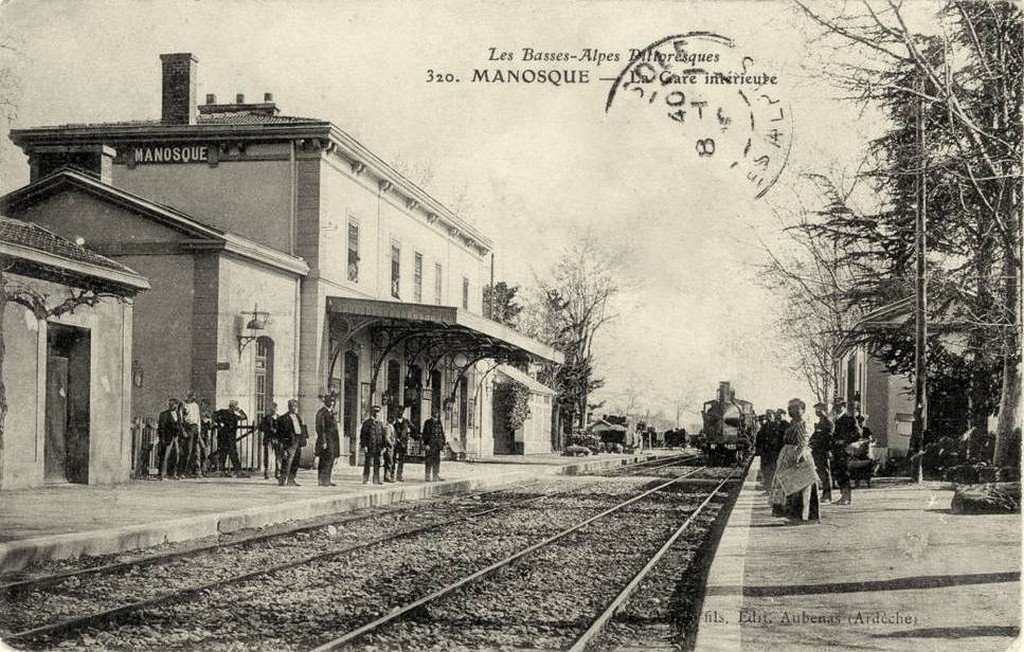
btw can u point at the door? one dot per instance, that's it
(504, 437)
(463, 410)
(435, 392)
(350, 404)
(68, 368)
(414, 396)
(55, 447)
(253, 447)
(393, 396)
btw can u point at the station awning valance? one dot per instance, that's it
(442, 327)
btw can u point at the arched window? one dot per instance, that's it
(263, 368)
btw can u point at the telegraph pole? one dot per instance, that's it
(920, 294)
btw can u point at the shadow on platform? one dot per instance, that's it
(897, 584)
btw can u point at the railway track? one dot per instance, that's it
(418, 618)
(98, 618)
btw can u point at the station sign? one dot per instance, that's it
(146, 154)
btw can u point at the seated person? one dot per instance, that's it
(861, 466)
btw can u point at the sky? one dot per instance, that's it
(533, 165)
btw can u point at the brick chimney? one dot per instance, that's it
(179, 88)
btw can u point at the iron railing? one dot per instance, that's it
(254, 452)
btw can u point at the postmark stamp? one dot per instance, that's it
(722, 106)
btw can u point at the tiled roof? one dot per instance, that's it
(233, 118)
(27, 234)
(246, 118)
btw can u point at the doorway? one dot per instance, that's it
(393, 396)
(435, 392)
(68, 363)
(463, 410)
(350, 404)
(414, 396)
(504, 437)
(263, 370)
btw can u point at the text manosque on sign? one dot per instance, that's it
(172, 154)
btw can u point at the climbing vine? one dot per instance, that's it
(513, 399)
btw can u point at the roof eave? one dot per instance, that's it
(359, 152)
(130, 281)
(59, 134)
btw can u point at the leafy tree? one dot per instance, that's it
(964, 81)
(500, 304)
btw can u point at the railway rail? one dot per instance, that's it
(585, 640)
(12, 588)
(100, 617)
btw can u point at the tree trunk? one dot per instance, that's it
(1010, 410)
(3, 387)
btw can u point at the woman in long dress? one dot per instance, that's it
(795, 485)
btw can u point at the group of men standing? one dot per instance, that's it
(389, 443)
(829, 443)
(183, 447)
(183, 438)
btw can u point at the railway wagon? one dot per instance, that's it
(729, 425)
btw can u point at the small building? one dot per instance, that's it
(66, 372)
(887, 398)
(534, 436)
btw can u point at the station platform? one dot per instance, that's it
(70, 520)
(896, 570)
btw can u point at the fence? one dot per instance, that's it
(253, 454)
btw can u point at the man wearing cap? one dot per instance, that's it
(388, 454)
(433, 443)
(169, 429)
(846, 432)
(773, 446)
(371, 440)
(402, 429)
(821, 445)
(291, 437)
(328, 442)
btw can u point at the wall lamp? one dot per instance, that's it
(253, 329)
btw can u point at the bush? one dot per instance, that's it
(586, 440)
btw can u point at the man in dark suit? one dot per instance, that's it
(847, 431)
(328, 442)
(226, 422)
(433, 443)
(821, 447)
(402, 430)
(773, 446)
(169, 429)
(291, 435)
(268, 426)
(371, 440)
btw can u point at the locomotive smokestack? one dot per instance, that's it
(724, 391)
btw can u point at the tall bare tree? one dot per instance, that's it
(572, 303)
(814, 276)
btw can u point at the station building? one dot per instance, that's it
(67, 335)
(287, 260)
(888, 398)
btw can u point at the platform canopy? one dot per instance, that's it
(429, 333)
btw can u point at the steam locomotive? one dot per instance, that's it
(729, 426)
